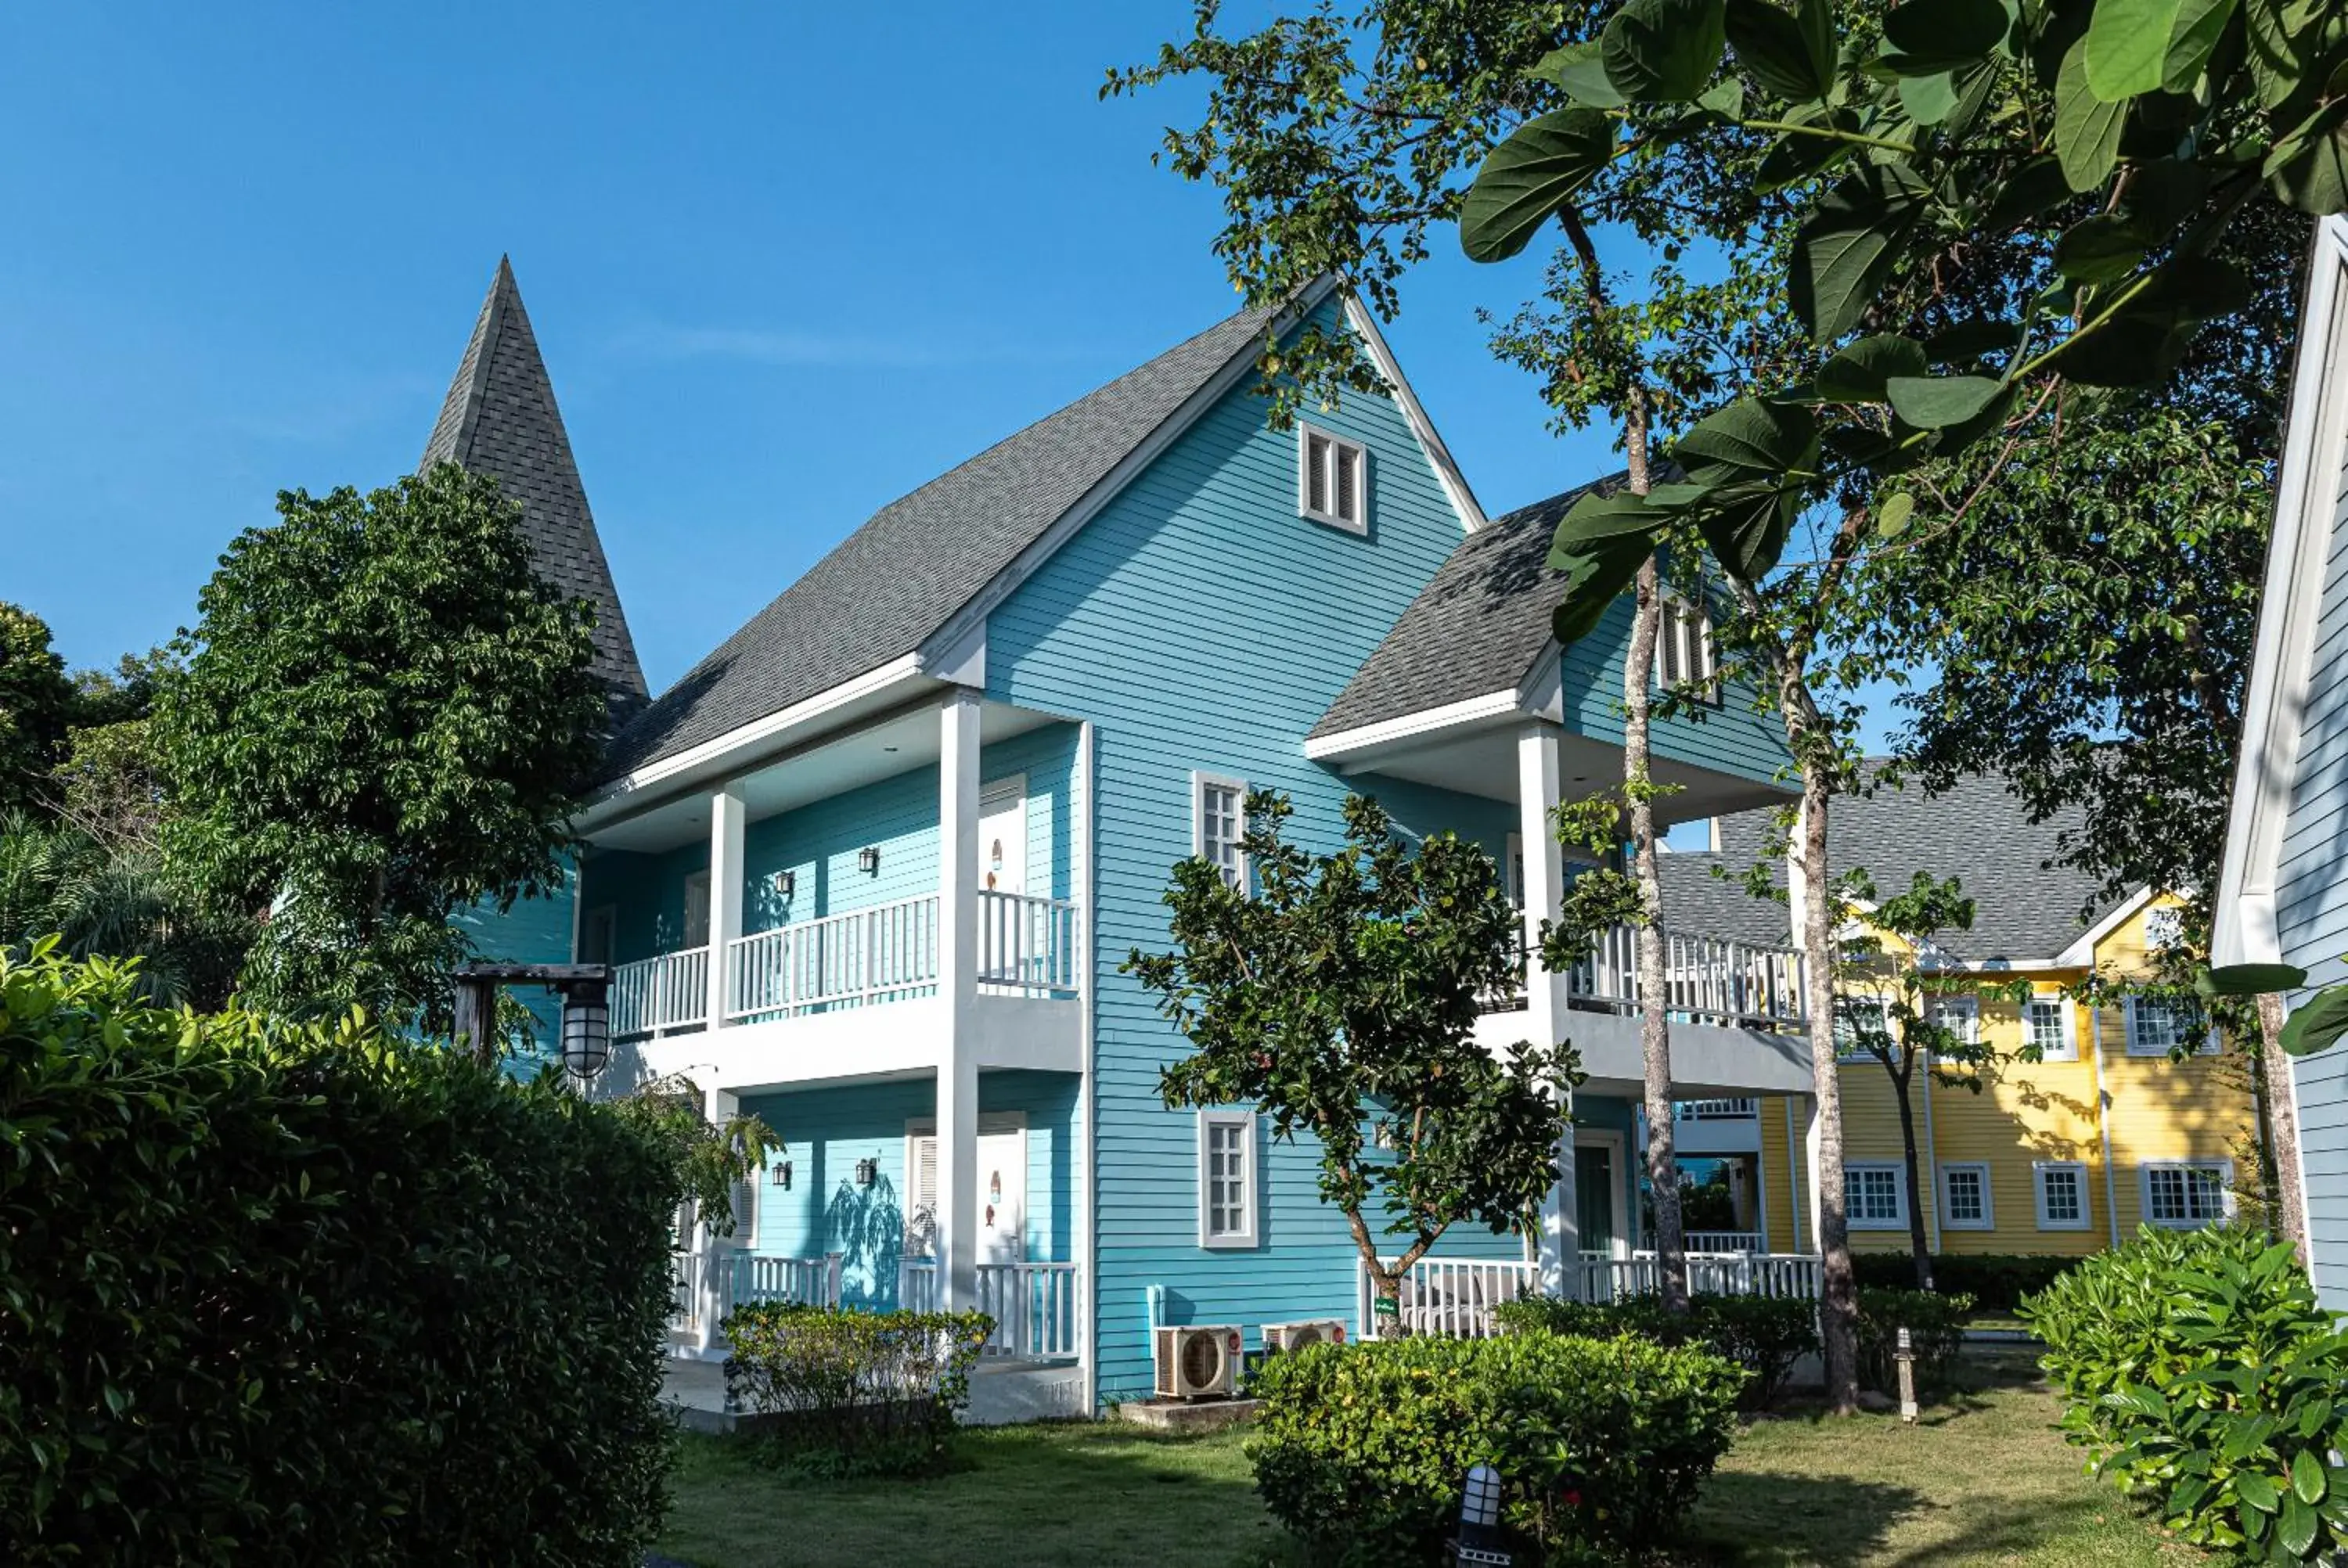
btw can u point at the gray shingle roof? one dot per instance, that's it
(500, 418)
(1977, 831)
(902, 576)
(1475, 629)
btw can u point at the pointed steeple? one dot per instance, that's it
(500, 419)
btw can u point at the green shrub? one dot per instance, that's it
(1935, 1322)
(864, 1393)
(1996, 1281)
(1602, 1444)
(1765, 1335)
(2199, 1369)
(274, 1295)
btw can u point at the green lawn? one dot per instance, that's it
(1982, 1479)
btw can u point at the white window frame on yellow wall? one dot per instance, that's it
(2066, 1024)
(2222, 1169)
(2181, 1022)
(2078, 1171)
(1987, 1219)
(1852, 1170)
(1961, 1016)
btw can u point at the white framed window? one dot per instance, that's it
(2060, 1189)
(1332, 479)
(2159, 1028)
(1218, 824)
(1966, 1202)
(1875, 1195)
(1227, 1179)
(1683, 651)
(1961, 1016)
(2164, 929)
(2046, 1023)
(2186, 1195)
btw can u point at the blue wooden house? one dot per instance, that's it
(870, 867)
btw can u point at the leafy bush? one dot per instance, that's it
(1935, 1322)
(1996, 1281)
(1361, 1450)
(2202, 1373)
(867, 1393)
(1765, 1335)
(277, 1295)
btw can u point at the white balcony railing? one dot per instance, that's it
(1455, 1296)
(1721, 1241)
(1719, 1274)
(1717, 1110)
(654, 995)
(1033, 1305)
(1707, 979)
(886, 953)
(1026, 944)
(710, 1281)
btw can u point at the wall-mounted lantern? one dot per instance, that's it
(867, 860)
(786, 883)
(867, 1171)
(783, 1174)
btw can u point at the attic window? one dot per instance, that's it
(1333, 480)
(1683, 653)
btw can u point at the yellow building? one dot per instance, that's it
(2066, 1154)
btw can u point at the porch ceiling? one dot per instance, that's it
(895, 744)
(1484, 763)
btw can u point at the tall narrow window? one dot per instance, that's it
(1218, 824)
(1965, 1199)
(1332, 479)
(2048, 1019)
(1227, 1183)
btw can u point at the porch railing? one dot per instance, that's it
(710, 1281)
(885, 953)
(1717, 1110)
(1721, 1273)
(1026, 944)
(1033, 1305)
(652, 994)
(1454, 1297)
(1707, 979)
(1721, 1241)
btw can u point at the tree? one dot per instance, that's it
(1895, 1004)
(386, 717)
(1338, 996)
(36, 704)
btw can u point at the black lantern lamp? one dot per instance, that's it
(586, 1027)
(586, 989)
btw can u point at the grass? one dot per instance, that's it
(1983, 1479)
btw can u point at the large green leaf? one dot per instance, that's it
(1595, 577)
(1797, 156)
(2258, 1490)
(2086, 128)
(1581, 72)
(2127, 46)
(2248, 979)
(2307, 1477)
(1937, 402)
(1929, 99)
(1529, 176)
(2274, 50)
(2317, 1024)
(2309, 167)
(2296, 1527)
(1847, 251)
(1934, 34)
(1595, 519)
(2200, 24)
(1745, 526)
(1773, 45)
(2098, 250)
(1858, 371)
(2030, 190)
(1663, 51)
(1749, 437)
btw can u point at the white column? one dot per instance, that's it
(726, 822)
(713, 1254)
(1813, 1159)
(1560, 1242)
(957, 1091)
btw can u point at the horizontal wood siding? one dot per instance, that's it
(1203, 624)
(533, 932)
(1730, 739)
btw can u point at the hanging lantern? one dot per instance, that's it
(586, 1027)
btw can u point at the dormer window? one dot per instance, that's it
(1684, 648)
(1333, 480)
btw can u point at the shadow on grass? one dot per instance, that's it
(1779, 1519)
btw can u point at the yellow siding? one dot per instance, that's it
(1779, 1160)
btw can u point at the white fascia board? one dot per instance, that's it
(2081, 953)
(738, 749)
(2281, 665)
(1175, 426)
(1446, 471)
(1410, 726)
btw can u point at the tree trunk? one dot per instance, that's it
(1654, 1020)
(2286, 1201)
(1919, 1242)
(1838, 1290)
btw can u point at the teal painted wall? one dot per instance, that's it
(534, 931)
(826, 1131)
(1202, 624)
(1731, 738)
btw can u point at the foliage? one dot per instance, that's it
(1601, 1444)
(1339, 995)
(35, 707)
(1935, 1321)
(385, 718)
(58, 881)
(1765, 1335)
(711, 1159)
(2200, 1371)
(1996, 1281)
(281, 1294)
(866, 1393)
(2315, 1025)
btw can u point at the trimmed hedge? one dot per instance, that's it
(1765, 1335)
(276, 1295)
(1602, 1444)
(2202, 1373)
(1996, 1281)
(866, 1393)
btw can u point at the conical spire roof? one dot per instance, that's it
(501, 419)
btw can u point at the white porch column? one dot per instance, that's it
(1543, 888)
(957, 1093)
(713, 1254)
(1813, 1156)
(726, 822)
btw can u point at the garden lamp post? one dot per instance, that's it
(586, 989)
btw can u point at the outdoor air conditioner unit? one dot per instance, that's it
(1194, 1362)
(1280, 1338)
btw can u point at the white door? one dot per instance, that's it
(1002, 836)
(1002, 1192)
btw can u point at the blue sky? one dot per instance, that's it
(786, 261)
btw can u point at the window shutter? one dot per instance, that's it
(1348, 505)
(1316, 473)
(922, 1196)
(746, 1211)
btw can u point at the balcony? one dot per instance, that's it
(865, 958)
(1707, 979)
